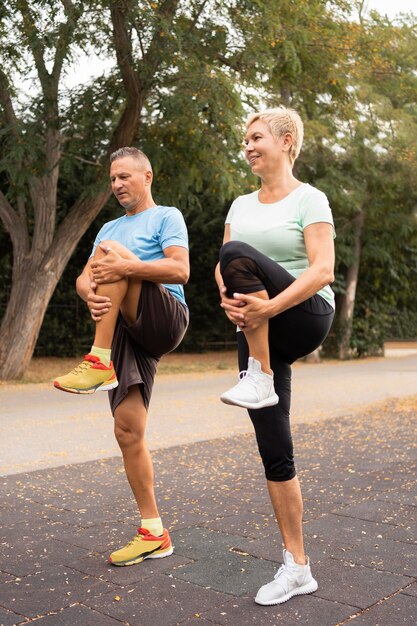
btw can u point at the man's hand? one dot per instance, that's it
(98, 305)
(110, 268)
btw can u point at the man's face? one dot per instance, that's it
(130, 182)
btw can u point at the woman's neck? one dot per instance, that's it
(277, 186)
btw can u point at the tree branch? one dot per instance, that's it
(7, 214)
(74, 226)
(35, 44)
(152, 57)
(6, 101)
(123, 47)
(66, 31)
(198, 12)
(15, 225)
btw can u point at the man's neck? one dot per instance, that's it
(140, 206)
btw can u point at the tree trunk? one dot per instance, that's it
(347, 301)
(39, 261)
(30, 295)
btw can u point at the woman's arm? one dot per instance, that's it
(217, 275)
(320, 252)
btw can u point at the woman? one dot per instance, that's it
(276, 264)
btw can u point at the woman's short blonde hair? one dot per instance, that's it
(280, 121)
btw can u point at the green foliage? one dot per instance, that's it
(201, 70)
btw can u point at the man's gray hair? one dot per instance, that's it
(129, 151)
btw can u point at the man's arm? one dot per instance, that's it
(173, 269)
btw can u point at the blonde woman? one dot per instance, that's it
(276, 265)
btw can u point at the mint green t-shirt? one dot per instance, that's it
(277, 229)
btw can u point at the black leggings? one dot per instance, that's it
(292, 334)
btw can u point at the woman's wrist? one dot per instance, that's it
(273, 307)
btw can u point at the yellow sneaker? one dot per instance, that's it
(143, 546)
(91, 375)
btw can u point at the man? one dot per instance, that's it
(132, 284)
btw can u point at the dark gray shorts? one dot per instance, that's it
(160, 326)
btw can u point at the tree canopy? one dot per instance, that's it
(181, 77)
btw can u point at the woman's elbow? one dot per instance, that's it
(326, 275)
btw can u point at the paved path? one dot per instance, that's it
(359, 481)
(41, 427)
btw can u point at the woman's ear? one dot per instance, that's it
(286, 142)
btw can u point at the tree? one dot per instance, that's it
(360, 149)
(381, 168)
(55, 145)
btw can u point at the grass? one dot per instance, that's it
(45, 369)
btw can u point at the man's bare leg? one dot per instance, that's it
(129, 428)
(96, 372)
(152, 540)
(124, 295)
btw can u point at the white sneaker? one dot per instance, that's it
(255, 389)
(290, 580)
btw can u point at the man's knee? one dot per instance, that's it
(108, 244)
(127, 436)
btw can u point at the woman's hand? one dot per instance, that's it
(229, 305)
(110, 268)
(248, 312)
(98, 305)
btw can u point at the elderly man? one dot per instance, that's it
(132, 284)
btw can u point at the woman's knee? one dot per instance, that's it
(273, 435)
(278, 460)
(280, 470)
(233, 249)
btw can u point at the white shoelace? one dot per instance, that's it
(287, 574)
(249, 378)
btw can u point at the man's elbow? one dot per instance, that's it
(183, 273)
(185, 276)
(78, 284)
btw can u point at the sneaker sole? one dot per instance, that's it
(271, 401)
(310, 588)
(86, 391)
(140, 559)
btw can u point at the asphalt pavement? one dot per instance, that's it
(42, 427)
(355, 435)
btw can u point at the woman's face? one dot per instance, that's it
(263, 151)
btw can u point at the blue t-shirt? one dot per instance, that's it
(147, 234)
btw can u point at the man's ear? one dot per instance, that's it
(148, 177)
